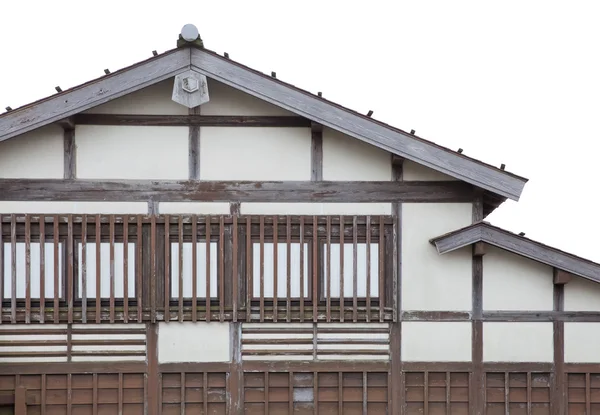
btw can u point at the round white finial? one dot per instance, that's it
(189, 32)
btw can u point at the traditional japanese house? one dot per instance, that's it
(190, 236)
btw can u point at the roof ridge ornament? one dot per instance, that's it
(189, 36)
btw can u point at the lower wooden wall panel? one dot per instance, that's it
(437, 393)
(583, 393)
(80, 394)
(193, 393)
(518, 393)
(303, 393)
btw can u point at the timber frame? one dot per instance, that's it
(314, 108)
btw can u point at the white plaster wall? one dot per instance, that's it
(316, 208)
(45, 333)
(517, 342)
(108, 337)
(582, 295)
(347, 158)
(74, 207)
(257, 153)
(116, 152)
(193, 342)
(225, 100)
(424, 341)
(37, 154)
(431, 281)
(153, 100)
(418, 172)
(582, 342)
(195, 208)
(512, 282)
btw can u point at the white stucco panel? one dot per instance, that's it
(315, 208)
(153, 100)
(431, 281)
(254, 153)
(424, 341)
(517, 342)
(347, 158)
(582, 295)
(225, 100)
(512, 282)
(418, 172)
(194, 208)
(116, 152)
(38, 154)
(116, 208)
(582, 342)
(193, 342)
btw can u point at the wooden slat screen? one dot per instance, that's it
(135, 268)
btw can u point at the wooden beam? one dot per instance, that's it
(225, 191)
(192, 120)
(91, 94)
(316, 156)
(70, 157)
(356, 125)
(562, 277)
(20, 400)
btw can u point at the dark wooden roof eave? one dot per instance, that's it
(517, 244)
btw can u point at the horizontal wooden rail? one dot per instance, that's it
(136, 268)
(243, 191)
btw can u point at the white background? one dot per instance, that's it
(513, 82)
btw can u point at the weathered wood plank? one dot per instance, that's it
(94, 93)
(356, 125)
(316, 156)
(192, 120)
(216, 191)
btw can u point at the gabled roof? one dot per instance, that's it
(267, 88)
(493, 235)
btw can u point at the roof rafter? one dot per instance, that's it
(501, 238)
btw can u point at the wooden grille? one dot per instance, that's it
(437, 393)
(80, 394)
(524, 393)
(193, 393)
(583, 393)
(137, 268)
(312, 393)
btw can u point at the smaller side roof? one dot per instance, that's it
(520, 245)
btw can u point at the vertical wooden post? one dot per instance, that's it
(316, 157)
(478, 378)
(69, 153)
(398, 395)
(558, 398)
(152, 369)
(236, 377)
(20, 400)
(194, 147)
